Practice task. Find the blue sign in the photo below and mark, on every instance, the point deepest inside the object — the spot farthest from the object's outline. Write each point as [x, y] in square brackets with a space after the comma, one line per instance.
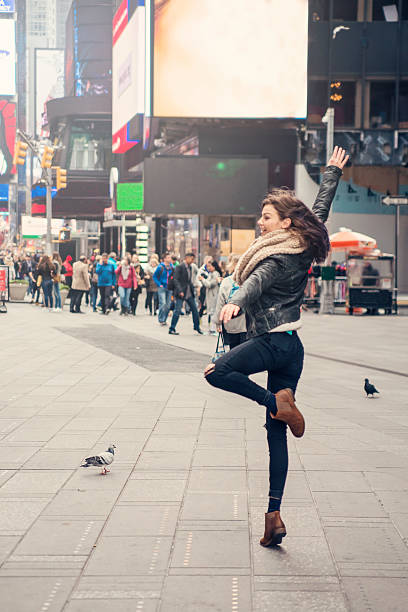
[7, 6]
[4, 192]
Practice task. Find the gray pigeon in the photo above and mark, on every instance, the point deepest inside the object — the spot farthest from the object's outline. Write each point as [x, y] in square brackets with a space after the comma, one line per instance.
[102, 460]
[369, 388]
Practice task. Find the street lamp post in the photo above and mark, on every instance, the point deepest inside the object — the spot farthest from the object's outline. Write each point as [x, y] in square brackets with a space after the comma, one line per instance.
[48, 210]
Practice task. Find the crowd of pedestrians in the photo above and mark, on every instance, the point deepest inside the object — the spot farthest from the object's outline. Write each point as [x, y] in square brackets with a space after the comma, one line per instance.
[106, 283]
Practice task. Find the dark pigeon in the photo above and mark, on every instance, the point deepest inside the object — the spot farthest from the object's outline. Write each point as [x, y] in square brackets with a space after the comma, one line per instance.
[369, 388]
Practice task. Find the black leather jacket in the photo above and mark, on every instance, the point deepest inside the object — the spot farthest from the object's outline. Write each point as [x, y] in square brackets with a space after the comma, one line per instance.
[273, 293]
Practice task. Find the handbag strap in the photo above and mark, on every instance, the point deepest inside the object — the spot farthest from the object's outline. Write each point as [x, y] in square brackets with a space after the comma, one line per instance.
[220, 335]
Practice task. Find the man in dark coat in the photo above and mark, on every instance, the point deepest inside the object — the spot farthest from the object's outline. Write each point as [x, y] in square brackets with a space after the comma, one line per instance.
[184, 292]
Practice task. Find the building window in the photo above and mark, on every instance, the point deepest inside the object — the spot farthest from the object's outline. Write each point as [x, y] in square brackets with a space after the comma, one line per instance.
[318, 10]
[403, 105]
[345, 10]
[316, 101]
[343, 100]
[382, 104]
[91, 147]
[386, 10]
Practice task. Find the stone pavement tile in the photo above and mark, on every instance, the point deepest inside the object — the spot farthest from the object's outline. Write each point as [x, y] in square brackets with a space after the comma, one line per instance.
[215, 507]
[147, 520]
[27, 482]
[12, 457]
[170, 444]
[58, 408]
[139, 421]
[53, 536]
[341, 442]
[211, 549]
[112, 605]
[222, 439]
[221, 424]
[23, 410]
[8, 425]
[56, 459]
[142, 592]
[338, 481]
[7, 543]
[186, 427]
[6, 475]
[16, 515]
[401, 523]
[164, 461]
[129, 556]
[296, 487]
[125, 435]
[81, 503]
[153, 490]
[231, 457]
[309, 446]
[301, 601]
[28, 594]
[334, 462]
[89, 479]
[219, 481]
[367, 543]
[377, 594]
[378, 459]
[393, 501]
[186, 412]
[298, 556]
[72, 441]
[348, 504]
[299, 521]
[206, 593]
[88, 424]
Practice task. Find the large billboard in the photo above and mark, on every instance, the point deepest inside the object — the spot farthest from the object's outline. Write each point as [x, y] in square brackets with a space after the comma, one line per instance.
[7, 6]
[49, 84]
[7, 138]
[7, 57]
[204, 185]
[128, 74]
[230, 58]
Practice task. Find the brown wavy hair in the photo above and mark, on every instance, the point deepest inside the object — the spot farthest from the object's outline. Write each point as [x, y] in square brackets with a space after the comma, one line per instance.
[304, 223]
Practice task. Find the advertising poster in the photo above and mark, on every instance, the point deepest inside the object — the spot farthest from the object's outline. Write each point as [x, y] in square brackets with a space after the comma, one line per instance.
[7, 57]
[7, 138]
[128, 75]
[4, 284]
[7, 6]
[230, 59]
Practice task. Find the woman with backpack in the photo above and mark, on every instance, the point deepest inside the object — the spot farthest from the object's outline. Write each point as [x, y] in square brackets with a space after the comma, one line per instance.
[46, 273]
[127, 282]
[272, 275]
[57, 261]
[140, 283]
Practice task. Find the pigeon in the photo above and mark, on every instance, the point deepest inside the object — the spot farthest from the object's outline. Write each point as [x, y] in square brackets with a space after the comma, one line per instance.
[369, 388]
[339, 29]
[104, 459]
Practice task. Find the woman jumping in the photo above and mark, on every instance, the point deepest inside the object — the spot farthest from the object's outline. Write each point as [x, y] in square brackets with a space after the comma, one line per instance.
[272, 275]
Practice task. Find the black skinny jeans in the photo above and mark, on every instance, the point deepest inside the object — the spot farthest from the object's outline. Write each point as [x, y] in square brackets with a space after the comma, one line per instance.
[281, 355]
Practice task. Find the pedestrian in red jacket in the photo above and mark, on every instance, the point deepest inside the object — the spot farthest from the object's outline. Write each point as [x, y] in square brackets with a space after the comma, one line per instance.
[127, 281]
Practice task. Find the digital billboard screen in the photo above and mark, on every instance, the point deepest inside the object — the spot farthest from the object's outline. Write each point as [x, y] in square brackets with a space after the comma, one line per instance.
[7, 139]
[230, 59]
[7, 57]
[204, 185]
[49, 84]
[128, 74]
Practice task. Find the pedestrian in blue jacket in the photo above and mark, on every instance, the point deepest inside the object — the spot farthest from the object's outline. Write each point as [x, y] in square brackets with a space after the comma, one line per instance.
[161, 277]
[106, 282]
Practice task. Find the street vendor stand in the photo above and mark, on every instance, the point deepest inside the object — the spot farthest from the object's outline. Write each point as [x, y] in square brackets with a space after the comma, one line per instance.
[371, 283]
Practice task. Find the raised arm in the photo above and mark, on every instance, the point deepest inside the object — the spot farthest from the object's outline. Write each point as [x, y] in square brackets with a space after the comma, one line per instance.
[329, 183]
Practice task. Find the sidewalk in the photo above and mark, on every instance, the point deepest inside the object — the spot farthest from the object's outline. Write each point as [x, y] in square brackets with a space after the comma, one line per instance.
[176, 524]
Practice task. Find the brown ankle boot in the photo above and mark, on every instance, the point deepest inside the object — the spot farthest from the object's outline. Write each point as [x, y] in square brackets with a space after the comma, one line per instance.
[275, 529]
[289, 413]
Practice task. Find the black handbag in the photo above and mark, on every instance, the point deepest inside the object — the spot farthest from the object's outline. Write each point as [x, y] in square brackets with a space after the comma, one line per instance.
[220, 350]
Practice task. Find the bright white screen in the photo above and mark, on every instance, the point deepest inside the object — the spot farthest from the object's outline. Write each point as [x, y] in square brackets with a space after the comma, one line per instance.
[128, 72]
[7, 57]
[230, 58]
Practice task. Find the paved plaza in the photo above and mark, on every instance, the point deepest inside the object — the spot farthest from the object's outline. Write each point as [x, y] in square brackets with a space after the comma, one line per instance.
[175, 525]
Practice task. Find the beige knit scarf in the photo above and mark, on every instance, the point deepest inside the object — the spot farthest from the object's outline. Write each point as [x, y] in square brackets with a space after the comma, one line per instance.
[277, 242]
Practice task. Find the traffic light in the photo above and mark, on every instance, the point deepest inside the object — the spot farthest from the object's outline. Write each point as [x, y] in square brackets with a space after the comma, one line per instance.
[46, 160]
[64, 235]
[61, 178]
[20, 153]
